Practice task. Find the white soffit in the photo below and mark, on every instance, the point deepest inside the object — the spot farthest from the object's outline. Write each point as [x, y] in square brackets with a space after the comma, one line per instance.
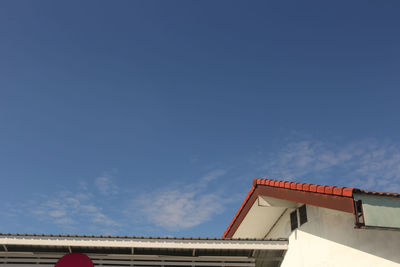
[262, 216]
[275, 202]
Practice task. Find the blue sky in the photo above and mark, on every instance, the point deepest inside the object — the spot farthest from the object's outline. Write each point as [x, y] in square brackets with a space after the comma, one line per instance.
[153, 117]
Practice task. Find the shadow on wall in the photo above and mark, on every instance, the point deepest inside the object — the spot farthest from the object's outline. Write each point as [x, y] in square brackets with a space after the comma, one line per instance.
[339, 227]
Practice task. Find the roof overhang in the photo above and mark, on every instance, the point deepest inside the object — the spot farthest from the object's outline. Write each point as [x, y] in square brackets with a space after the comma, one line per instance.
[45, 250]
[143, 242]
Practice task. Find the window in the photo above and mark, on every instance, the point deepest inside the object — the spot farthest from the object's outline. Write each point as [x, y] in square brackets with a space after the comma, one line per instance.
[303, 214]
[293, 220]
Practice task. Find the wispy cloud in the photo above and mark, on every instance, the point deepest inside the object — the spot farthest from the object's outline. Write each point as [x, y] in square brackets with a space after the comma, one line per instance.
[84, 207]
[184, 207]
[302, 158]
[68, 210]
[105, 184]
[213, 175]
[368, 164]
[177, 209]
[87, 207]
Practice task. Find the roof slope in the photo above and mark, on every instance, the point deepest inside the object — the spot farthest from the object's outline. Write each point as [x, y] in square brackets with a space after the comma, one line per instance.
[98, 237]
[318, 195]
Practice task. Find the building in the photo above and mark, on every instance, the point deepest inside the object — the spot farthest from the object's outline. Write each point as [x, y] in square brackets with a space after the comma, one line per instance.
[280, 223]
[325, 225]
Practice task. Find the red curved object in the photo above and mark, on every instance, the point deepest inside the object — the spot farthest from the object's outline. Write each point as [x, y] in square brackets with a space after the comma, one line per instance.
[74, 260]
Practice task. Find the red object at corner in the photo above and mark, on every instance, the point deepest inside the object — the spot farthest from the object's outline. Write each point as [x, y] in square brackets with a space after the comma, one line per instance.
[74, 260]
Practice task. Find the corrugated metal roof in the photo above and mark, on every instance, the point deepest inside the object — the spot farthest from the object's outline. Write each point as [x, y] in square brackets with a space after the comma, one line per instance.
[45, 250]
[137, 237]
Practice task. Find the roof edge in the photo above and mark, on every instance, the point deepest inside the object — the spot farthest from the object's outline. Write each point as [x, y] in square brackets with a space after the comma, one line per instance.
[66, 236]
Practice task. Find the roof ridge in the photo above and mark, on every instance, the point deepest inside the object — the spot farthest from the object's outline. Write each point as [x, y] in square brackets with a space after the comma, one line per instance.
[316, 188]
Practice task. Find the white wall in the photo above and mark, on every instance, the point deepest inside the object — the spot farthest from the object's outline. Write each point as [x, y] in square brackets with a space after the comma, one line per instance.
[329, 239]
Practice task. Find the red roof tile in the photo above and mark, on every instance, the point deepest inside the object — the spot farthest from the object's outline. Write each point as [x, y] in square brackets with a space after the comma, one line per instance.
[293, 186]
[323, 189]
[338, 191]
[306, 187]
[313, 188]
[329, 189]
[299, 186]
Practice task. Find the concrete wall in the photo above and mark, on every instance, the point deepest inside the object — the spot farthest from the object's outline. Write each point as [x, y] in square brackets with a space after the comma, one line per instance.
[330, 239]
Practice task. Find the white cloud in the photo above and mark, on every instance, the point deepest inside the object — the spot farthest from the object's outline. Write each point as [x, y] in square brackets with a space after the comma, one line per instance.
[185, 207]
[58, 213]
[69, 210]
[367, 164]
[87, 208]
[65, 221]
[304, 157]
[213, 175]
[175, 209]
[105, 185]
[97, 216]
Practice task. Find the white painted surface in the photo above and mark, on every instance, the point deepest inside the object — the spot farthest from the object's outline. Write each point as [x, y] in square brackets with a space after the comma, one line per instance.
[274, 202]
[282, 227]
[330, 239]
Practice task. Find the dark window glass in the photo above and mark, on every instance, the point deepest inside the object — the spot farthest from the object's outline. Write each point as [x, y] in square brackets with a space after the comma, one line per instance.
[293, 220]
[303, 214]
